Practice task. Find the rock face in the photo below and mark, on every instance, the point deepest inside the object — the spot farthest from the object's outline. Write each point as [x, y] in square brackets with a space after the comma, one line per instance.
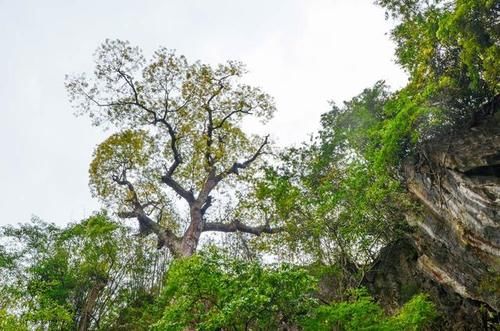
[396, 277]
[454, 249]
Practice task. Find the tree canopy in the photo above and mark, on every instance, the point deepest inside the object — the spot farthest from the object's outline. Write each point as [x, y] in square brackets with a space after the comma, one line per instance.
[180, 132]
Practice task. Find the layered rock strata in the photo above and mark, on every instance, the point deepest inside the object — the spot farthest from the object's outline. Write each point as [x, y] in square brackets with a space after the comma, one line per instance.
[453, 250]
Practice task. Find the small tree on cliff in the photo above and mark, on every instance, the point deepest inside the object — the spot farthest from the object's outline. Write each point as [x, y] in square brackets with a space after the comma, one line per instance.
[179, 133]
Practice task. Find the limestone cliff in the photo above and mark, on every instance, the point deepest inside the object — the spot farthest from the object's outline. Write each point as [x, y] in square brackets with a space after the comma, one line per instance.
[453, 251]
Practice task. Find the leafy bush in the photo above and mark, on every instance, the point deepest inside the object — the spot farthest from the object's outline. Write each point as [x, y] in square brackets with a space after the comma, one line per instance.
[211, 291]
[362, 313]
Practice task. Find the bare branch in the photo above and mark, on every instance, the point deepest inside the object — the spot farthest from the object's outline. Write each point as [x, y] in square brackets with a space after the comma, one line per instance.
[173, 137]
[174, 185]
[210, 126]
[242, 165]
[167, 178]
[146, 225]
[127, 214]
[213, 180]
[228, 116]
[165, 236]
[173, 146]
[208, 204]
[210, 129]
[130, 83]
[123, 181]
[236, 225]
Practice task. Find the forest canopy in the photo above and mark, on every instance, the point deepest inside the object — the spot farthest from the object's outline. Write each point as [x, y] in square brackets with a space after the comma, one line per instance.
[180, 164]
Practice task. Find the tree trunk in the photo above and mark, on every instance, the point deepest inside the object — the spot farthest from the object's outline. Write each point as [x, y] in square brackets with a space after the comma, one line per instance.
[192, 235]
[88, 307]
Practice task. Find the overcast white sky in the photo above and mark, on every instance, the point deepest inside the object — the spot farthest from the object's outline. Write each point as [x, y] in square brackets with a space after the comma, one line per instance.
[303, 52]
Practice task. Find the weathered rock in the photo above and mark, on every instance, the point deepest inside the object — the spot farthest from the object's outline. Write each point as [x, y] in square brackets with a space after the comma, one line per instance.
[458, 229]
[395, 277]
[455, 245]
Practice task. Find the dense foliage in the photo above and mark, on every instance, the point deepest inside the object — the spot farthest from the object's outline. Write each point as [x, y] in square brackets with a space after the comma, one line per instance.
[340, 207]
[212, 291]
[343, 190]
[86, 275]
[328, 206]
[209, 291]
[450, 49]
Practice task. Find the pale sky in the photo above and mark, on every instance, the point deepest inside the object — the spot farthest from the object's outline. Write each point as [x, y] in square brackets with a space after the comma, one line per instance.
[302, 52]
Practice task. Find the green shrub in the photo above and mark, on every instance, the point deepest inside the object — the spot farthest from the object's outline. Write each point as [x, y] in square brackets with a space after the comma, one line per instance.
[211, 291]
[362, 313]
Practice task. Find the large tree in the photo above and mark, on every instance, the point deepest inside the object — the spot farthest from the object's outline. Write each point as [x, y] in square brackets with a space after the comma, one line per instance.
[179, 135]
